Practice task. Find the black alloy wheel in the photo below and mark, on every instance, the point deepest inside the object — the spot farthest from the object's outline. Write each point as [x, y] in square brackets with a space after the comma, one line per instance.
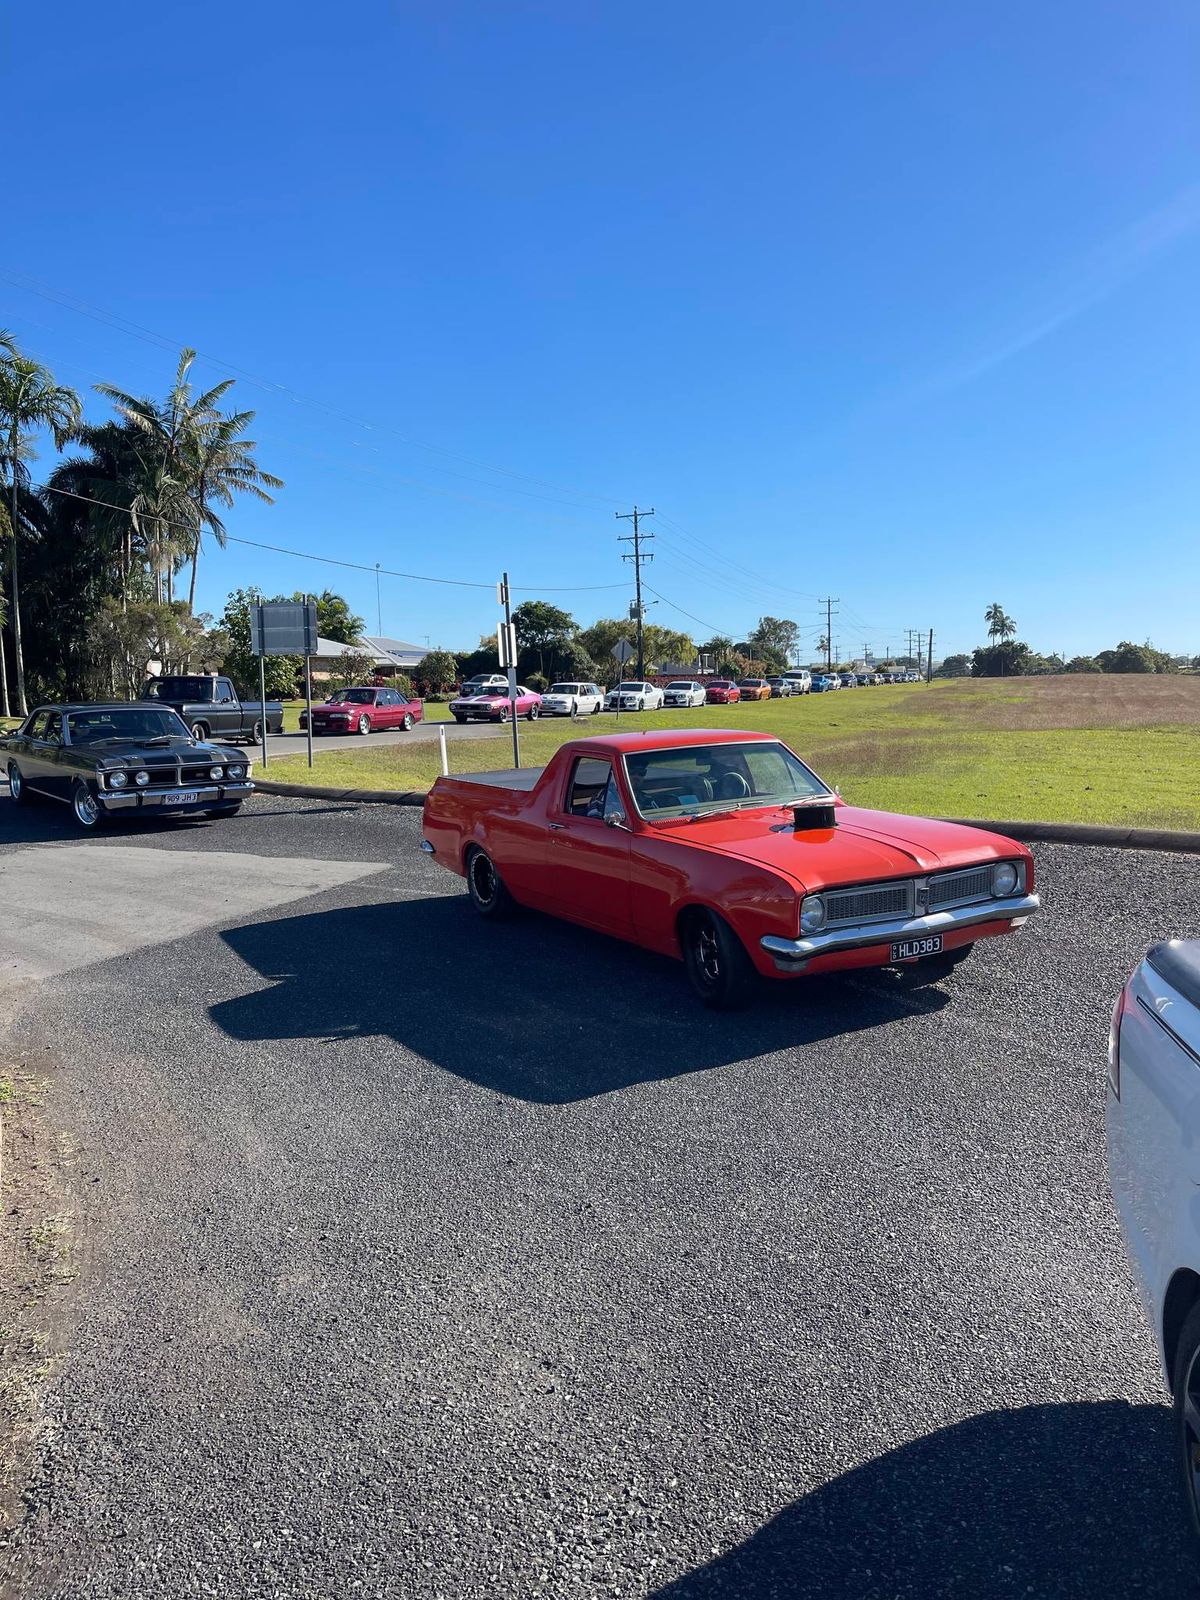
[16, 785]
[485, 885]
[256, 733]
[718, 967]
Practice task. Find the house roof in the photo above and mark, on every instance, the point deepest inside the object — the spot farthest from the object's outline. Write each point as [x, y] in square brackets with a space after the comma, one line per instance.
[384, 652]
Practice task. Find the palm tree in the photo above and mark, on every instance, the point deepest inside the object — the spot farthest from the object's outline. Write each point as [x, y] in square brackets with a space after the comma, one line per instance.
[994, 617]
[225, 466]
[29, 399]
[1007, 627]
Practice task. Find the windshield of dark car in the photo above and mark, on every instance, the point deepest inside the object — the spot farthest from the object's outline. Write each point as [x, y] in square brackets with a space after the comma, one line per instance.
[356, 697]
[700, 778]
[124, 722]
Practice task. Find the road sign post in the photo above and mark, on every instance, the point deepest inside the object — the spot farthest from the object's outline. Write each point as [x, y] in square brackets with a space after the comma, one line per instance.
[622, 651]
[506, 640]
[284, 628]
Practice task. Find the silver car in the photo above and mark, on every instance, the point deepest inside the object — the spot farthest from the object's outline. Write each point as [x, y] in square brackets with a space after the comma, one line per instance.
[684, 692]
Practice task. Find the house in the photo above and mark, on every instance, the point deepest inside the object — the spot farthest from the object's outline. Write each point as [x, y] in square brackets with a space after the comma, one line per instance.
[389, 656]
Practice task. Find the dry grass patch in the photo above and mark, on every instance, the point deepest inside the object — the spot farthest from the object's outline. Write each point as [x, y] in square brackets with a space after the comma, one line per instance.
[1075, 700]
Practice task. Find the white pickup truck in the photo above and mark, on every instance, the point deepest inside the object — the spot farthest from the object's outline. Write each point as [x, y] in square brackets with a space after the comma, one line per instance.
[1153, 1121]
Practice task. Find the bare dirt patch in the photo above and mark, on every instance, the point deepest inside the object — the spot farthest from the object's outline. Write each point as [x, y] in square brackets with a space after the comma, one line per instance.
[1073, 700]
[38, 1266]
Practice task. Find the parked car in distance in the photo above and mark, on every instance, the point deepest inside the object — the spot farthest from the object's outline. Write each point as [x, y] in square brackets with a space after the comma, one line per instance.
[480, 682]
[210, 705]
[801, 679]
[572, 700]
[754, 688]
[823, 682]
[122, 760]
[782, 688]
[491, 704]
[722, 692]
[634, 695]
[1153, 1129]
[684, 692]
[867, 679]
[724, 849]
[848, 680]
[364, 710]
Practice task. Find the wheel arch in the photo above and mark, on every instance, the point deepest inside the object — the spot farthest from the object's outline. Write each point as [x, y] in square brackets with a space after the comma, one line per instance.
[1182, 1294]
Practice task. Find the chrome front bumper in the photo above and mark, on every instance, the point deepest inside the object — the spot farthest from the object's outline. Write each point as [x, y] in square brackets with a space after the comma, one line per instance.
[144, 799]
[793, 955]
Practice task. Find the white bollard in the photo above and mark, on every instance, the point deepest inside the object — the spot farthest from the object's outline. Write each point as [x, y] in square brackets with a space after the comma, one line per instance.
[442, 745]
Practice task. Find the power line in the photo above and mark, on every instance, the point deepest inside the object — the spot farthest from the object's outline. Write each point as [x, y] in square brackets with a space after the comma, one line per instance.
[329, 561]
[727, 633]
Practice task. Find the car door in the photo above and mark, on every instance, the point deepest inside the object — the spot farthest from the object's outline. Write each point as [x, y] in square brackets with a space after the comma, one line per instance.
[55, 774]
[226, 709]
[589, 860]
[29, 751]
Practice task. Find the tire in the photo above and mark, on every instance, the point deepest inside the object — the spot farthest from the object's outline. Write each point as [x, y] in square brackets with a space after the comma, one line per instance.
[1185, 1387]
[502, 716]
[16, 786]
[533, 713]
[597, 709]
[85, 808]
[718, 968]
[256, 733]
[199, 730]
[407, 723]
[460, 720]
[485, 885]
[230, 810]
[642, 703]
[364, 724]
[933, 969]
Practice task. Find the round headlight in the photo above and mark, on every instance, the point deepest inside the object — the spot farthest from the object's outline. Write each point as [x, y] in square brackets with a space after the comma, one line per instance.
[215, 772]
[236, 772]
[812, 914]
[117, 780]
[1004, 879]
[141, 779]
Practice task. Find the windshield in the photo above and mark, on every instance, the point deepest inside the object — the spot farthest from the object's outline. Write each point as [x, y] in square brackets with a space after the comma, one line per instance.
[720, 683]
[124, 722]
[355, 697]
[565, 688]
[631, 688]
[680, 685]
[720, 777]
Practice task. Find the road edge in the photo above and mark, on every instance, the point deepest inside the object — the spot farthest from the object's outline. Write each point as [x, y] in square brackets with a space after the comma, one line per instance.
[1031, 832]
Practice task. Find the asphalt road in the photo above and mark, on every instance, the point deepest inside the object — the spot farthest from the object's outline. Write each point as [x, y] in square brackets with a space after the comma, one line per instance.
[425, 1257]
[292, 744]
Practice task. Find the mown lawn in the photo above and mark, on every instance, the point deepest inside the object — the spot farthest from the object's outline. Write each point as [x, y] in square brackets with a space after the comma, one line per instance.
[1089, 749]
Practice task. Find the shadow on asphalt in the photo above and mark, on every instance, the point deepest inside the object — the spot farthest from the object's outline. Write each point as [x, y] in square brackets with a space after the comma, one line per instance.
[533, 1007]
[46, 822]
[1046, 1501]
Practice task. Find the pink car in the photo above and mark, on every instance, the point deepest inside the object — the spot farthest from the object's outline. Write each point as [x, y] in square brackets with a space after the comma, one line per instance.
[493, 705]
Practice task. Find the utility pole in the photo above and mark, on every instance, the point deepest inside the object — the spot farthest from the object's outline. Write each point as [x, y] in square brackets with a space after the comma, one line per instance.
[635, 539]
[830, 602]
[929, 660]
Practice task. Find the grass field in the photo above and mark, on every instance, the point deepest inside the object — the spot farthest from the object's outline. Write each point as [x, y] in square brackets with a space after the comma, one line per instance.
[1122, 750]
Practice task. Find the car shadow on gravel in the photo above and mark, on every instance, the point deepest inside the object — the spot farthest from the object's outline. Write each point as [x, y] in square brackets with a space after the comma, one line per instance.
[533, 1008]
[1052, 1501]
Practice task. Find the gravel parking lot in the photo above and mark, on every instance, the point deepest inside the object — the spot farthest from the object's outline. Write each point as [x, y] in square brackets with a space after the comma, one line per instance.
[425, 1257]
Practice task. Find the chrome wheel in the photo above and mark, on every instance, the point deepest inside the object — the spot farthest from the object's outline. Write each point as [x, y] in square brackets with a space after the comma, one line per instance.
[85, 806]
[364, 724]
[16, 783]
[408, 722]
[504, 714]
[533, 712]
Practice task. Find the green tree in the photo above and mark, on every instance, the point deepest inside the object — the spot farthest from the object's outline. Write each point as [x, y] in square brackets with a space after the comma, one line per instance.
[30, 400]
[775, 641]
[954, 667]
[660, 644]
[1083, 664]
[335, 620]
[541, 627]
[1007, 660]
[1129, 657]
[438, 672]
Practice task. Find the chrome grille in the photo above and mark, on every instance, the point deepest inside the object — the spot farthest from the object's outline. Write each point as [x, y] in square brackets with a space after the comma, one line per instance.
[870, 903]
[959, 888]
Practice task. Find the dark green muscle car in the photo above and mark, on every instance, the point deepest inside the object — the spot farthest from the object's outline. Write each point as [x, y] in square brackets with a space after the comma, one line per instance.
[121, 760]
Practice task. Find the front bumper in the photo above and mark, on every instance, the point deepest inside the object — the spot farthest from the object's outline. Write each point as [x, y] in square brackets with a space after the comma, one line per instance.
[793, 955]
[215, 794]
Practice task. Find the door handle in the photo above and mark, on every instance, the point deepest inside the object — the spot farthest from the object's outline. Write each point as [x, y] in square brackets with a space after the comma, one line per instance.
[557, 827]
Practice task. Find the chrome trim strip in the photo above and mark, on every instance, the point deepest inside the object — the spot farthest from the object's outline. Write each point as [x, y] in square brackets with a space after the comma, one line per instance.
[793, 955]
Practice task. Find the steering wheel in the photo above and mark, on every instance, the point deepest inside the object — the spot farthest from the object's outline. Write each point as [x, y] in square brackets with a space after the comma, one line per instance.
[731, 786]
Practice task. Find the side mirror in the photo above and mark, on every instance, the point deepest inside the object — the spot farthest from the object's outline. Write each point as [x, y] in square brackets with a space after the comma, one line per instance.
[615, 819]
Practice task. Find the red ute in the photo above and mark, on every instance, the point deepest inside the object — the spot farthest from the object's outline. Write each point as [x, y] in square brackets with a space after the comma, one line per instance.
[363, 710]
[723, 848]
[721, 692]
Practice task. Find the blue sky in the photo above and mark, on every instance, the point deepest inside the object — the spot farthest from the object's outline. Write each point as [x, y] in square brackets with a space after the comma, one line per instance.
[890, 301]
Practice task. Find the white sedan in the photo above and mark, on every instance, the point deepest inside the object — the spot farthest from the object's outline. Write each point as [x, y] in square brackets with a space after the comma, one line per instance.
[634, 696]
[572, 700]
[1153, 1123]
[684, 692]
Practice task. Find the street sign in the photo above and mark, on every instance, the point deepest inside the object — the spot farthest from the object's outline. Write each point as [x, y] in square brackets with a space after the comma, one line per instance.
[284, 628]
[622, 651]
[506, 644]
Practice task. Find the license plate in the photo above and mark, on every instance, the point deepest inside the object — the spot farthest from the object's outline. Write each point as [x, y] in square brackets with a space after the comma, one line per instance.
[906, 949]
[187, 798]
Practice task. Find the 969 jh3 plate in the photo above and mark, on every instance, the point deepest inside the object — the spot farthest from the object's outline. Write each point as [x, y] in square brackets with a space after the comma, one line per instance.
[906, 949]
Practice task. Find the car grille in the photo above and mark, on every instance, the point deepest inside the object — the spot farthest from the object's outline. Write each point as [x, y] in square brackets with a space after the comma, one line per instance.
[959, 888]
[871, 903]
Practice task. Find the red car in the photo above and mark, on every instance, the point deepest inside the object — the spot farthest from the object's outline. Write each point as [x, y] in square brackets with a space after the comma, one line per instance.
[493, 705]
[364, 710]
[723, 692]
[724, 849]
